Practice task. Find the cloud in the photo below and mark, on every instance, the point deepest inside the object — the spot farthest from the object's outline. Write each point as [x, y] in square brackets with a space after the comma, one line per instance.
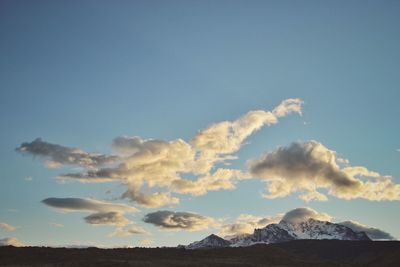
[152, 200]
[58, 155]
[246, 223]
[178, 220]
[7, 227]
[112, 217]
[103, 213]
[303, 214]
[153, 163]
[128, 231]
[220, 179]
[54, 224]
[228, 136]
[85, 204]
[10, 241]
[28, 179]
[146, 242]
[373, 233]
[309, 166]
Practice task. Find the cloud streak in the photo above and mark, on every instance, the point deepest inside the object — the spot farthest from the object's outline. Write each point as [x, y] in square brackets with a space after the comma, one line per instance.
[7, 227]
[373, 233]
[171, 220]
[86, 204]
[102, 213]
[57, 155]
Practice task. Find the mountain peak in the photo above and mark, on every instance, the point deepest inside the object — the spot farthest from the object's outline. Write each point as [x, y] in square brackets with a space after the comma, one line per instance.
[282, 232]
[211, 241]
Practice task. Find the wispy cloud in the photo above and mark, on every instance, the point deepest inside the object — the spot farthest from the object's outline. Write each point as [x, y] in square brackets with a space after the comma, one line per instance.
[54, 224]
[56, 155]
[373, 233]
[7, 227]
[171, 220]
[103, 213]
[86, 204]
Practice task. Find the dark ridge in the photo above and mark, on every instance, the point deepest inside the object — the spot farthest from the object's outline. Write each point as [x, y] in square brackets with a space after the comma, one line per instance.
[294, 253]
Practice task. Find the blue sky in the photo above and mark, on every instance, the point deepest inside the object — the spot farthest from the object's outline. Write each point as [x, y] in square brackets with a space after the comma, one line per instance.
[80, 74]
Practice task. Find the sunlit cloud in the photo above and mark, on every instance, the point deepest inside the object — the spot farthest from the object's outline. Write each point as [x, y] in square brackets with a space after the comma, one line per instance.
[246, 223]
[310, 166]
[129, 231]
[102, 213]
[153, 169]
[10, 241]
[7, 227]
[303, 214]
[170, 220]
[146, 242]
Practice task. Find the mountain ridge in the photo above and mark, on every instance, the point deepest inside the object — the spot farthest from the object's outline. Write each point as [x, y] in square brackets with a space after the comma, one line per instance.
[284, 231]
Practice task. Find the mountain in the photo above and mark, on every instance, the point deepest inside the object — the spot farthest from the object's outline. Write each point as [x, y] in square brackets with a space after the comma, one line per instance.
[282, 232]
[211, 241]
[315, 229]
[272, 233]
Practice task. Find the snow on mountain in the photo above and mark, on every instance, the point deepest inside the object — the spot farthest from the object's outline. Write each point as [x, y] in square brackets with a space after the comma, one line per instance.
[211, 241]
[272, 233]
[282, 232]
[315, 229]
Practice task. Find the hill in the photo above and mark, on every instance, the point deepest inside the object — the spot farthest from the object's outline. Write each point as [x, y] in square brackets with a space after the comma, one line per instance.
[293, 253]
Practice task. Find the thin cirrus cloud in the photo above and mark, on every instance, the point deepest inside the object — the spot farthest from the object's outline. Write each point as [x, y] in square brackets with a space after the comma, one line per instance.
[7, 227]
[170, 220]
[150, 163]
[309, 166]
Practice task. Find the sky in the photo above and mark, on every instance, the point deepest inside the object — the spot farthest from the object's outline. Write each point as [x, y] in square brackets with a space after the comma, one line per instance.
[156, 123]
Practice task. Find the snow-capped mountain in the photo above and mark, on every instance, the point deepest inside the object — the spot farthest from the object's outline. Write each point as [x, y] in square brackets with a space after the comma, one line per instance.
[282, 232]
[211, 241]
[315, 229]
[272, 233]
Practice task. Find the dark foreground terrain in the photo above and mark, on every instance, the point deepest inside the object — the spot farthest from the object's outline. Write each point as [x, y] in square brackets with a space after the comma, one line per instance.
[294, 253]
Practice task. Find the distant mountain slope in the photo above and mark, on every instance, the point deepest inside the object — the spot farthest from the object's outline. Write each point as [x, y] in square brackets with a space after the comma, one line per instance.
[211, 241]
[285, 231]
